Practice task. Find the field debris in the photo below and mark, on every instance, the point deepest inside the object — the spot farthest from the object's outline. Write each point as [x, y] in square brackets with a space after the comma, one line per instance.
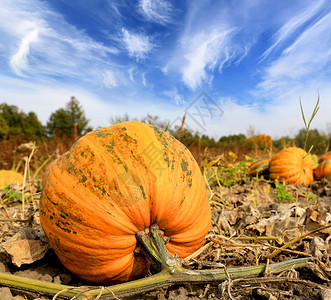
[253, 219]
[25, 247]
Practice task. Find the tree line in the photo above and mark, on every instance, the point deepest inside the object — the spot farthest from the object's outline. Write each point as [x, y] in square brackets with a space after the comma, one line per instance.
[71, 121]
[65, 121]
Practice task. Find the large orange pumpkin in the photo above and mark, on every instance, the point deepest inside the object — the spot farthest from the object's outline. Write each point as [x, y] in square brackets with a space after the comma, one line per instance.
[324, 167]
[292, 165]
[8, 177]
[115, 182]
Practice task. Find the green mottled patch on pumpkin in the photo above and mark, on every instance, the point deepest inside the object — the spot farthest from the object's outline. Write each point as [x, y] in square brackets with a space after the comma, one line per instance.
[167, 152]
[101, 133]
[167, 161]
[184, 165]
[70, 169]
[83, 179]
[110, 147]
[129, 139]
[102, 189]
[190, 182]
[62, 225]
[62, 216]
[157, 130]
[143, 192]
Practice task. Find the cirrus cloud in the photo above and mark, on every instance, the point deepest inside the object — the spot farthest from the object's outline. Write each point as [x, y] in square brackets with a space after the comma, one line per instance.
[138, 45]
[18, 61]
[158, 11]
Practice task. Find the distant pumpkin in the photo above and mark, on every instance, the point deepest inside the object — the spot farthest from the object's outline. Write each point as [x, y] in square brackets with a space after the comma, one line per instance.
[324, 168]
[117, 181]
[260, 167]
[9, 177]
[292, 165]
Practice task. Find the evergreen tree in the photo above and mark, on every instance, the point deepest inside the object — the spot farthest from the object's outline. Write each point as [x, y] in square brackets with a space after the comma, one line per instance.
[77, 115]
[33, 127]
[62, 121]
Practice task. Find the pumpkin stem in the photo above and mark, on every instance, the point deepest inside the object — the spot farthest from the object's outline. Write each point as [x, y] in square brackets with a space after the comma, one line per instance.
[154, 245]
[162, 279]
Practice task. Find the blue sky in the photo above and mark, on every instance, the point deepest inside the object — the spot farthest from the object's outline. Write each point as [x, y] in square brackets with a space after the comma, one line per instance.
[253, 60]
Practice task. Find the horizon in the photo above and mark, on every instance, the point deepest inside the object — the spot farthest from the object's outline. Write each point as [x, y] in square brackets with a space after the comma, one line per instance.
[157, 121]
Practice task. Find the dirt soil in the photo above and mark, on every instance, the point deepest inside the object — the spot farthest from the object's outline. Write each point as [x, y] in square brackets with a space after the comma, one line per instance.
[242, 214]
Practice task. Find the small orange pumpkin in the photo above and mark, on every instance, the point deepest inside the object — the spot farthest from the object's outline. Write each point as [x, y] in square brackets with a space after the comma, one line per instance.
[9, 177]
[324, 167]
[117, 181]
[260, 167]
[293, 165]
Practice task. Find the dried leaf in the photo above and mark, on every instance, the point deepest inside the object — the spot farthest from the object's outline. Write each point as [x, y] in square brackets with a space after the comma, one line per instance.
[25, 247]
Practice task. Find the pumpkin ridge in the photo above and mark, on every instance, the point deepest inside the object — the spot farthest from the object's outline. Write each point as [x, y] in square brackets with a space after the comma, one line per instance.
[109, 166]
[95, 198]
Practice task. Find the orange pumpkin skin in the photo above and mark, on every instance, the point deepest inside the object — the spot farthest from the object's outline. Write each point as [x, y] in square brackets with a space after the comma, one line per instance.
[292, 165]
[117, 181]
[324, 168]
[9, 177]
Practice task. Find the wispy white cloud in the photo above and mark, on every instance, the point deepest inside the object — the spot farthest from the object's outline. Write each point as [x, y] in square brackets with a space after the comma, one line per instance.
[175, 96]
[138, 45]
[131, 72]
[19, 60]
[292, 25]
[302, 61]
[158, 11]
[203, 51]
[38, 42]
[109, 80]
[210, 41]
[143, 76]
